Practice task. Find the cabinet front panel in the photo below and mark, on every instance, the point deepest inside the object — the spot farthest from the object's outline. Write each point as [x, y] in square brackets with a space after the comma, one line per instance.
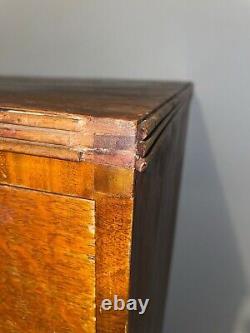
[47, 263]
[47, 174]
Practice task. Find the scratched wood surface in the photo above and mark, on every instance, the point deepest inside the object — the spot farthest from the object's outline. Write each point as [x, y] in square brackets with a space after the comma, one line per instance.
[120, 99]
[47, 263]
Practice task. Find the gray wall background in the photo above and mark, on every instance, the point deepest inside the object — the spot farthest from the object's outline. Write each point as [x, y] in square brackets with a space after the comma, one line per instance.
[207, 42]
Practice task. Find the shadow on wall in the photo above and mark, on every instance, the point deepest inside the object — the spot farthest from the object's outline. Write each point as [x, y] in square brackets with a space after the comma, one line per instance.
[207, 285]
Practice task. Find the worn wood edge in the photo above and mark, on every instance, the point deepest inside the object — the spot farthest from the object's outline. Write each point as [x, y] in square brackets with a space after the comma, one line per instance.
[65, 121]
[109, 157]
[148, 124]
[41, 135]
[30, 148]
[151, 147]
[85, 138]
[34, 118]
[144, 146]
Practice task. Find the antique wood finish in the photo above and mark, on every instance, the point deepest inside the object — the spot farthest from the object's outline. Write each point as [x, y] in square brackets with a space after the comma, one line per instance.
[156, 193]
[64, 177]
[111, 189]
[113, 99]
[89, 177]
[47, 262]
[113, 247]
[47, 174]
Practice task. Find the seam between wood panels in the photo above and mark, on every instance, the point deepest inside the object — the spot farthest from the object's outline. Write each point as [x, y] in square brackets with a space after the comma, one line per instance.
[45, 192]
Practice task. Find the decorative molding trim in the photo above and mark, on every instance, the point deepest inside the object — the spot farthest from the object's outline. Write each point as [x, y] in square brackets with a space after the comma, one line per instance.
[153, 130]
[69, 137]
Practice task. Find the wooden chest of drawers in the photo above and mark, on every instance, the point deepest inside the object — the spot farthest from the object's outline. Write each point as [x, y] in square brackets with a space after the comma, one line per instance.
[89, 178]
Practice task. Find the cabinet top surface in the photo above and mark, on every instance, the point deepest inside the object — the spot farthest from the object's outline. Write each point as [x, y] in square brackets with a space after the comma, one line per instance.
[118, 99]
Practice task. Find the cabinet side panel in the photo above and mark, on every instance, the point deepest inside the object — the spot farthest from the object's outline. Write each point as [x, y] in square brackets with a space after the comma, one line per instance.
[47, 263]
[156, 199]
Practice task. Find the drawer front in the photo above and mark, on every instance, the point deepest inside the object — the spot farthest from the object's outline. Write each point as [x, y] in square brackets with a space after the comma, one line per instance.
[47, 262]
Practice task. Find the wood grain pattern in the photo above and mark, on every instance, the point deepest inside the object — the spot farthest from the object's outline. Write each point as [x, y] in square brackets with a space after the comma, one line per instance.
[41, 120]
[118, 182]
[112, 190]
[47, 263]
[113, 248]
[115, 99]
[64, 177]
[47, 174]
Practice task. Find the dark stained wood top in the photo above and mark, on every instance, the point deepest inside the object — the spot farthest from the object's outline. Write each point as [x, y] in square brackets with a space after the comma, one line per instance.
[118, 99]
[113, 122]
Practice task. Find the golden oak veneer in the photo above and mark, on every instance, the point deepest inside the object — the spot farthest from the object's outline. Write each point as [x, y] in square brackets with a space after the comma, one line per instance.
[89, 179]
